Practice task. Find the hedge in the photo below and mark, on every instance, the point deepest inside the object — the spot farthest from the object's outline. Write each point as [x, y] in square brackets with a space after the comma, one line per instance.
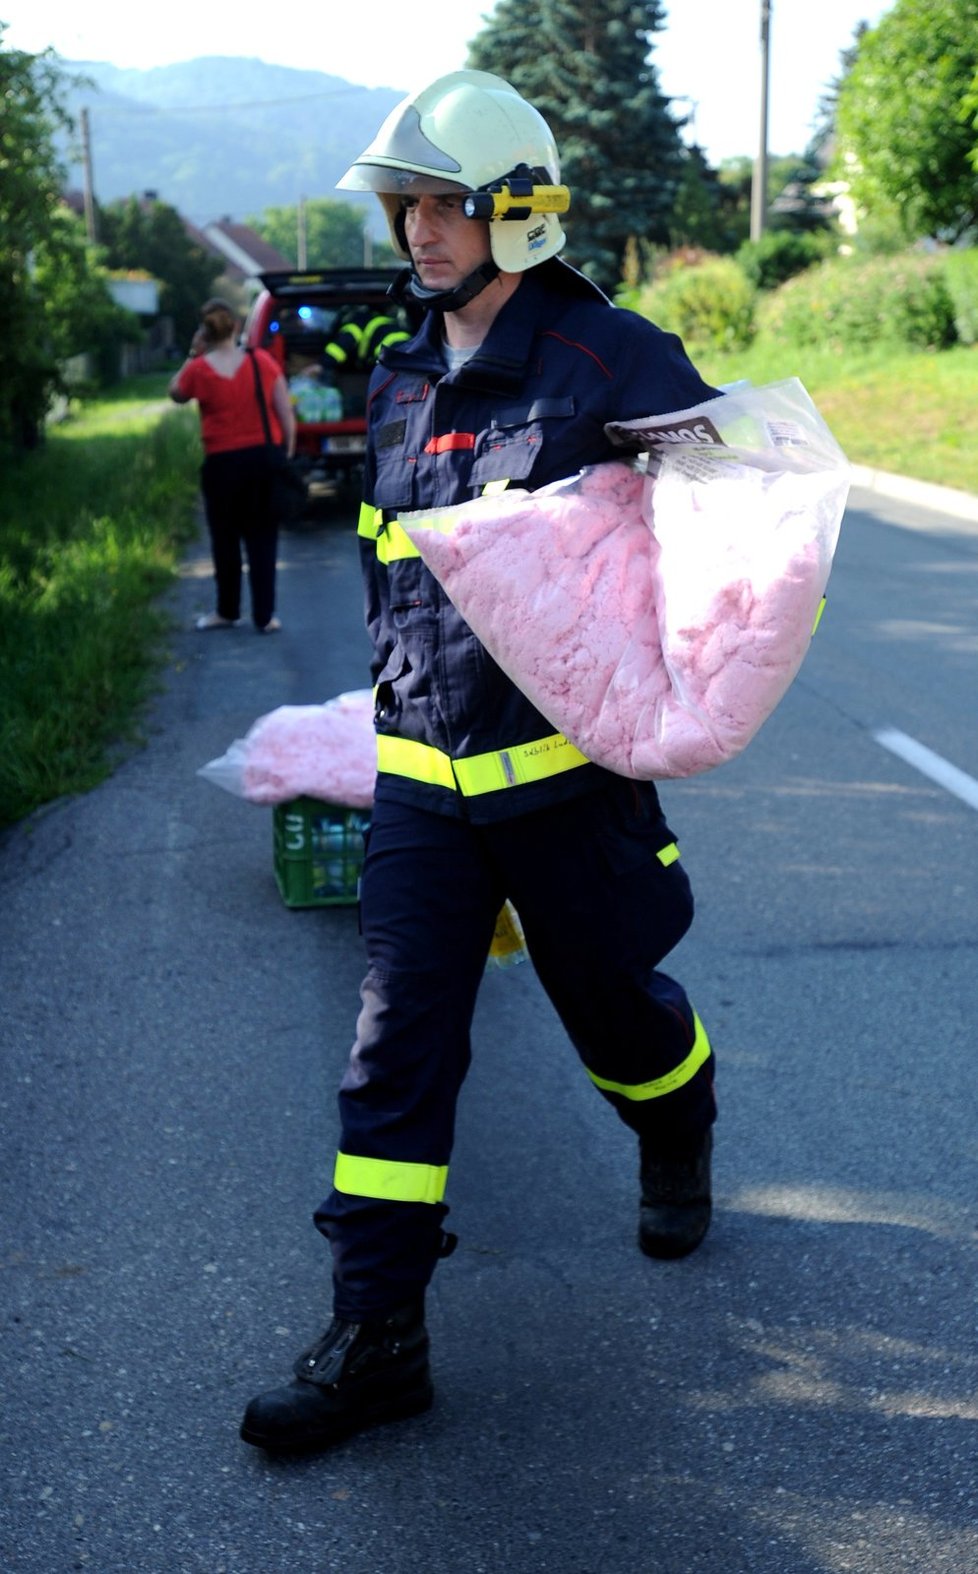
[854, 304]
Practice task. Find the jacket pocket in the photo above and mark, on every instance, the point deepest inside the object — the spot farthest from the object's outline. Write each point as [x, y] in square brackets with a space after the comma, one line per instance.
[393, 482]
[413, 597]
[386, 705]
[508, 449]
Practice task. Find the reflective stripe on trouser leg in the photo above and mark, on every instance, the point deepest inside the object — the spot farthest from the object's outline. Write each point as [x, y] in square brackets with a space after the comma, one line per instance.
[428, 911]
[384, 1215]
[603, 898]
[389, 1181]
[673, 1104]
[658, 1087]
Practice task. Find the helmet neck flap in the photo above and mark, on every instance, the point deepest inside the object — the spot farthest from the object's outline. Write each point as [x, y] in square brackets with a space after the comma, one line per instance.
[408, 289]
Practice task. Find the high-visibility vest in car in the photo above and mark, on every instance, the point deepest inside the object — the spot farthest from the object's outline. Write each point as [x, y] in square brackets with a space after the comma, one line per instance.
[360, 343]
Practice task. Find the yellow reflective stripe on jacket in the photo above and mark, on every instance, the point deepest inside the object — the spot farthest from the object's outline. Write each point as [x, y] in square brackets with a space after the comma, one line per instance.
[672, 1080]
[419, 761]
[389, 1180]
[478, 773]
[391, 539]
[512, 767]
[393, 543]
[818, 616]
[668, 855]
[369, 521]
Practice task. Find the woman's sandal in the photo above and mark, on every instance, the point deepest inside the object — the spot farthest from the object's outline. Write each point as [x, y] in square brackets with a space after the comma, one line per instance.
[213, 620]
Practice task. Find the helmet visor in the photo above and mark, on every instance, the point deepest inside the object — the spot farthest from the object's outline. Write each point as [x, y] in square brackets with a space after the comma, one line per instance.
[402, 159]
[393, 179]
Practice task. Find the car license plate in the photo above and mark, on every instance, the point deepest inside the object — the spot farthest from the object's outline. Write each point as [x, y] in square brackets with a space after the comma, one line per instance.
[344, 445]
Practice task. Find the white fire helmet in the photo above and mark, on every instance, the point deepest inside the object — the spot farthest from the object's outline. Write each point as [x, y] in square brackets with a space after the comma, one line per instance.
[465, 132]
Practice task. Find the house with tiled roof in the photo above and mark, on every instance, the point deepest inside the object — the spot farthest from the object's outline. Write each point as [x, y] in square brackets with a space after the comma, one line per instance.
[244, 253]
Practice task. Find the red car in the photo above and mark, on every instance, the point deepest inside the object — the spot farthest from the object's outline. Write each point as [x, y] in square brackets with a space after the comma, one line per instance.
[325, 328]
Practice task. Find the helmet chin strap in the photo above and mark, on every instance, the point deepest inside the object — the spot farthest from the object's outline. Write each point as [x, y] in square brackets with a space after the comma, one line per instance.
[408, 289]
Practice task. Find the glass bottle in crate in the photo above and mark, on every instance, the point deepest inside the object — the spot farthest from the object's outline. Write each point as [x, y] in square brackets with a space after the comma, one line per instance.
[327, 856]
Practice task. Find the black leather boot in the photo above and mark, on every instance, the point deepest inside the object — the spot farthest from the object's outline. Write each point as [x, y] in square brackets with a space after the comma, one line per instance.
[676, 1203]
[357, 1375]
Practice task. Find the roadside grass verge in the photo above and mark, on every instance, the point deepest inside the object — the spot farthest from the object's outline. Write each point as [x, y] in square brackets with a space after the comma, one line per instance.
[92, 527]
[913, 413]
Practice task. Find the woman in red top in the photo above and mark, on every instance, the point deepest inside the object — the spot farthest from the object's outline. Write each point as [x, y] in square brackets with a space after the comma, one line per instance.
[235, 477]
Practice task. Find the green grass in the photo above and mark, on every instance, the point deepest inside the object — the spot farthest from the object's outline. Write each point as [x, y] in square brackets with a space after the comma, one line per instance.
[91, 530]
[913, 413]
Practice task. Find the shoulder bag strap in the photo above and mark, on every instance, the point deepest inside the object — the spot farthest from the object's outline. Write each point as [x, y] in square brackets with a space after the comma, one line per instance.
[260, 395]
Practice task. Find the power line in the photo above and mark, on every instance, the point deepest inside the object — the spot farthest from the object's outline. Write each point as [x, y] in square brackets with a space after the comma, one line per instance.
[136, 107]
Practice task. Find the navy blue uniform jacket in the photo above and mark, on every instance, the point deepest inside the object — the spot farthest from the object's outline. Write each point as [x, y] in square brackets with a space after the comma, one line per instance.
[530, 407]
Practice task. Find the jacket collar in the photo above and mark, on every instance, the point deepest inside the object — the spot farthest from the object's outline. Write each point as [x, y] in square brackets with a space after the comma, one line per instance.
[501, 361]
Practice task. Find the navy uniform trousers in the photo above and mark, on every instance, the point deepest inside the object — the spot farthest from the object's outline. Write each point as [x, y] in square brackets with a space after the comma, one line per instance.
[599, 908]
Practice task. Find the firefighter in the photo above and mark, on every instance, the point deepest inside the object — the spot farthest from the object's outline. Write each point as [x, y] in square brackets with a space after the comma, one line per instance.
[517, 366]
[361, 336]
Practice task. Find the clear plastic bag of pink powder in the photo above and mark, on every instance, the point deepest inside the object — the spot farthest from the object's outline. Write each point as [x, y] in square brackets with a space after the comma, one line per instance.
[655, 610]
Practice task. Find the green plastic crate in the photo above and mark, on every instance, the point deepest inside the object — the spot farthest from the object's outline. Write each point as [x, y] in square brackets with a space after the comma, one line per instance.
[318, 852]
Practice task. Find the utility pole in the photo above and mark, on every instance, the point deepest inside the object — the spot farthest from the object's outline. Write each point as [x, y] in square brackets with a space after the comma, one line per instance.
[88, 185]
[758, 193]
[301, 235]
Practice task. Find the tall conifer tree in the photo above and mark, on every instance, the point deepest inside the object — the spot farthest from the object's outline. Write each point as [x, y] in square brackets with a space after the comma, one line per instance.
[586, 66]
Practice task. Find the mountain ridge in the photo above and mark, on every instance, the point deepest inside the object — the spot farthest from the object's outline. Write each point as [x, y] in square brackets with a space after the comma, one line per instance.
[220, 137]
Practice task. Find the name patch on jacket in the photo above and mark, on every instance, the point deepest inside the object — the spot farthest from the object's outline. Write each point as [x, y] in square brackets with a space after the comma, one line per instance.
[391, 435]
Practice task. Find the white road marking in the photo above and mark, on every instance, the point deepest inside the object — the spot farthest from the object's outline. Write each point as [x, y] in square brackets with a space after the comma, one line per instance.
[930, 764]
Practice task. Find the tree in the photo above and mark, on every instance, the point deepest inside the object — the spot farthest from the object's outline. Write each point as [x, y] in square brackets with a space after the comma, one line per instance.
[585, 64]
[335, 233]
[905, 118]
[702, 213]
[823, 139]
[792, 203]
[74, 304]
[53, 297]
[694, 219]
[30, 189]
[736, 178]
[150, 235]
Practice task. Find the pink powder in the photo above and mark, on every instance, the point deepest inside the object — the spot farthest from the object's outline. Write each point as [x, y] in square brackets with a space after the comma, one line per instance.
[326, 751]
[658, 651]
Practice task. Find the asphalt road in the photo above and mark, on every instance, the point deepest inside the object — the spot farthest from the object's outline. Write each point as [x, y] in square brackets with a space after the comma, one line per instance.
[797, 1398]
